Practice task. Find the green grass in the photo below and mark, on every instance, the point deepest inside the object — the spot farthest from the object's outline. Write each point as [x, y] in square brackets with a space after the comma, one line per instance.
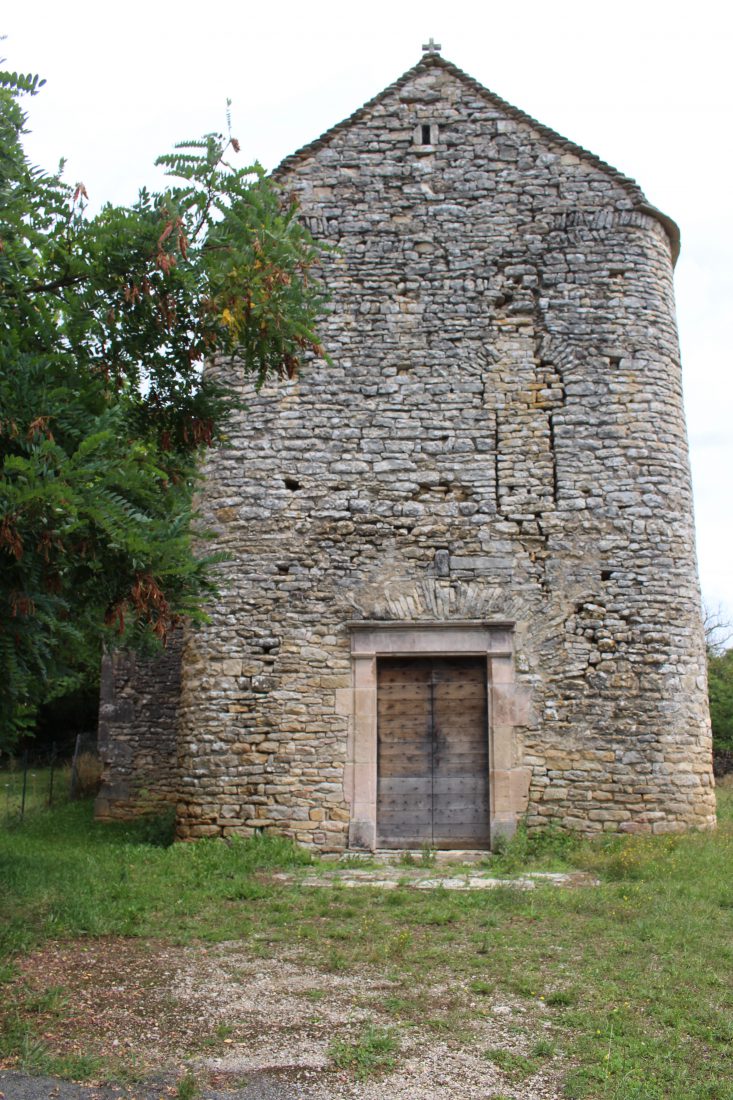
[187, 1087]
[630, 984]
[516, 1066]
[19, 1039]
[372, 1053]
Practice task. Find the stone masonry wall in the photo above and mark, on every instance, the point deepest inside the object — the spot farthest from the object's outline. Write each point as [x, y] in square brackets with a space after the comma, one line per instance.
[499, 437]
[138, 732]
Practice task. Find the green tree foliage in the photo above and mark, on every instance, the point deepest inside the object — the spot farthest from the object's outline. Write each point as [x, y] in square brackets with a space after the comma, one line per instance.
[718, 636]
[720, 682]
[105, 324]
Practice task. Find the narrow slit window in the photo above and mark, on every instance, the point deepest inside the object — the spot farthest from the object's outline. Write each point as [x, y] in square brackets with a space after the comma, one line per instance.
[426, 134]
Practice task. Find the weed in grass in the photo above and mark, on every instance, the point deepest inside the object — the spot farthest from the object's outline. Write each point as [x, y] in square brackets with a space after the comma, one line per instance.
[356, 863]
[576, 1020]
[484, 989]
[48, 1002]
[550, 849]
[439, 917]
[316, 994]
[524, 985]
[454, 1021]
[543, 1048]
[345, 912]
[382, 948]
[516, 1066]
[19, 1043]
[15, 1033]
[187, 1087]
[561, 998]
[439, 1024]
[372, 1053]
[505, 899]
[336, 961]
[398, 944]
[246, 891]
[340, 934]
[70, 1067]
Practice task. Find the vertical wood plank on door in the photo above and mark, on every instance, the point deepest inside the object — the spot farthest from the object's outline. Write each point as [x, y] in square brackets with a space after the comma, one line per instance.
[460, 753]
[432, 760]
[404, 753]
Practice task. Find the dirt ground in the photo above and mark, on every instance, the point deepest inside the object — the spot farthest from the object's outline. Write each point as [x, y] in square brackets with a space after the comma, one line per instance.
[249, 1028]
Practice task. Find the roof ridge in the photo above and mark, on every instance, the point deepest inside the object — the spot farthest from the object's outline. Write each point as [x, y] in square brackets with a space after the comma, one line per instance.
[436, 60]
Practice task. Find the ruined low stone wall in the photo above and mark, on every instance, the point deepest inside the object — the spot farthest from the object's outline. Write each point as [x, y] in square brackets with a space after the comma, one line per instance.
[138, 732]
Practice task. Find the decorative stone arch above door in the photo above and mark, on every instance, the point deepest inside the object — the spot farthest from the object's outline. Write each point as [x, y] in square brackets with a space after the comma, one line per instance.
[508, 780]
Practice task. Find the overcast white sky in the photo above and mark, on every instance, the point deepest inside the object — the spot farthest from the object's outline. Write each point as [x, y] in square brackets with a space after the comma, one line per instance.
[647, 86]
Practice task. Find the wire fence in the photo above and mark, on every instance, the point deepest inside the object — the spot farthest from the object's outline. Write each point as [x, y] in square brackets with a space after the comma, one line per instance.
[28, 784]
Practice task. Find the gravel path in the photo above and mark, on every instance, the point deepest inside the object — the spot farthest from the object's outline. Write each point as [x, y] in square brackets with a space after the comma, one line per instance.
[250, 1028]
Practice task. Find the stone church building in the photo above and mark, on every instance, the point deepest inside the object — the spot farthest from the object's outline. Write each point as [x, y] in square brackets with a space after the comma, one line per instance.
[462, 587]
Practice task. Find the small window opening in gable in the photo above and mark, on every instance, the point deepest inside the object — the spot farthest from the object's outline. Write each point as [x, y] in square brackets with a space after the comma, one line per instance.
[606, 574]
[425, 134]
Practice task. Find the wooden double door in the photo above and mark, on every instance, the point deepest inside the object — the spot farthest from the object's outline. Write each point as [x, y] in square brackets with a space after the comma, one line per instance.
[432, 757]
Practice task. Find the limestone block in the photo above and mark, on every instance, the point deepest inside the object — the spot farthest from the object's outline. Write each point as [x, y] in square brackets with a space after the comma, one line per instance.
[555, 793]
[520, 779]
[503, 747]
[230, 667]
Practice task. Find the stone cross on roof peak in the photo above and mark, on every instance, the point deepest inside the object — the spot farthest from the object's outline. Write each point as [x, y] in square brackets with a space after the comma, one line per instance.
[432, 47]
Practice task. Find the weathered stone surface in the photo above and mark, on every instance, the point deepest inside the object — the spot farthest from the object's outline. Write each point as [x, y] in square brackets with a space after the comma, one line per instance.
[138, 733]
[499, 439]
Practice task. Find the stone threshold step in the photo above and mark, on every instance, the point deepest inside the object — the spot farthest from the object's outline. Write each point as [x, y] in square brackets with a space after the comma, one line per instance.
[417, 856]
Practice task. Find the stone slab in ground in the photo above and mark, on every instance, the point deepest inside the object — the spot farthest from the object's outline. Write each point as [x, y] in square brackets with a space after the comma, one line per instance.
[389, 878]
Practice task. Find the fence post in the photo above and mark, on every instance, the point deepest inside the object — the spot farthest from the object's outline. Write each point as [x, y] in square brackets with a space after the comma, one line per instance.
[25, 784]
[50, 778]
[73, 792]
